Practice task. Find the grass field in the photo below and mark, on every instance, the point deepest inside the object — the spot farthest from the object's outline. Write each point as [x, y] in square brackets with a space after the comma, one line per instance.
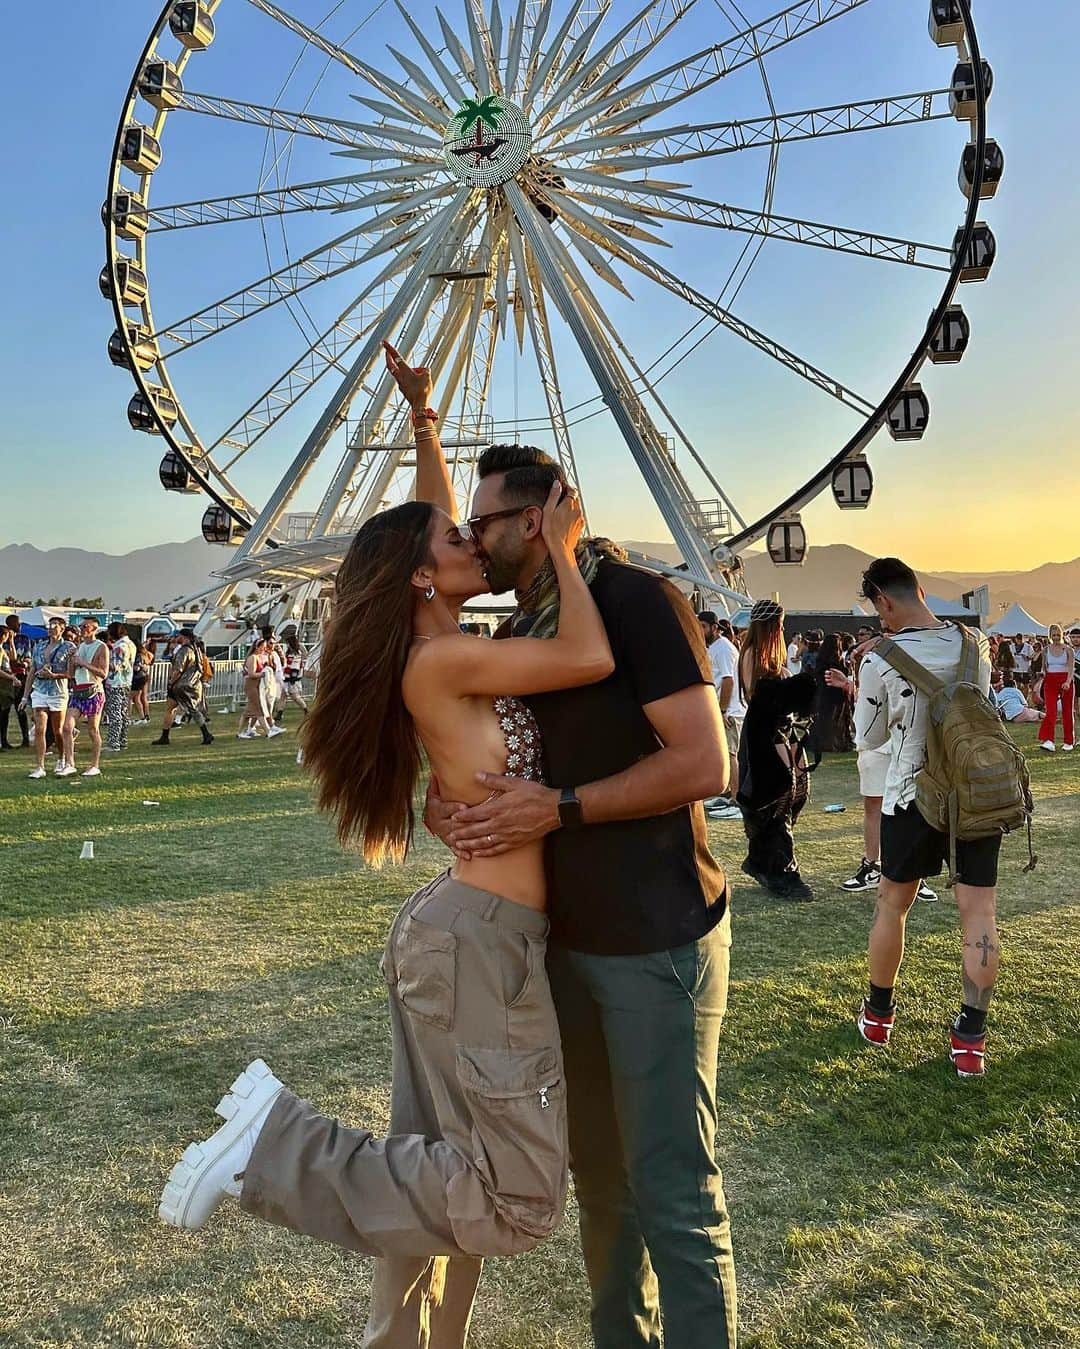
[875, 1200]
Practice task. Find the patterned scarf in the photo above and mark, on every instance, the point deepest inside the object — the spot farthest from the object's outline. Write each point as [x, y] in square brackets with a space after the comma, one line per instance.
[537, 614]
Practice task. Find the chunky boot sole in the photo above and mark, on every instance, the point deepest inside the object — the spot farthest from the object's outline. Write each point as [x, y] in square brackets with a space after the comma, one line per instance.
[196, 1184]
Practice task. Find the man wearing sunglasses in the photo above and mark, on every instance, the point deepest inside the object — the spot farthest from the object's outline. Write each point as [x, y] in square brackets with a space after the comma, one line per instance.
[640, 927]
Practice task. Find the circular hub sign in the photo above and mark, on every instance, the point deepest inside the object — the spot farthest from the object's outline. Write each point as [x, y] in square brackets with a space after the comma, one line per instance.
[487, 142]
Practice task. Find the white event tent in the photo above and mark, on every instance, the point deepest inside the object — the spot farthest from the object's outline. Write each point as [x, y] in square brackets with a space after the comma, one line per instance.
[1017, 619]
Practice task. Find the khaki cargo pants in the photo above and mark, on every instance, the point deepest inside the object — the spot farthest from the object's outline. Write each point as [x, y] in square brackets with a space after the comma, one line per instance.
[476, 1161]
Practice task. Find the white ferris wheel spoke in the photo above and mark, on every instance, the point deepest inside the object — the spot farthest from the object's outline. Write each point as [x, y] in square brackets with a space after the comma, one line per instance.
[665, 204]
[495, 33]
[646, 443]
[285, 282]
[546, 63]
[530, 289]
[451, 221]
[456, 50]
[677, 145]
[515, 47]
[583, 223]
[324, 195]
[421, 108]
[408, 203]
[481, 63]
[698, 71]
[572, 63]
[452, 85]
[541, 20]
[436, 345]
[643, 382]
[419, 77]
[598, 68]
[333, 129]
[356, 322]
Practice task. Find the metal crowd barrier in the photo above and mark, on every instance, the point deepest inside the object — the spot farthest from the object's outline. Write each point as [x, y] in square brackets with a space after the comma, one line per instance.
[226, 689]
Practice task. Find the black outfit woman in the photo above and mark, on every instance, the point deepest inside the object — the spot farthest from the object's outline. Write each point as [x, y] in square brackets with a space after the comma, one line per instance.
[774, 784]
[834, 727]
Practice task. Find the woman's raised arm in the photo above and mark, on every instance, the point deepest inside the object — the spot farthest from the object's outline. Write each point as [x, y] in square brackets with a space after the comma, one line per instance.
[433, 481]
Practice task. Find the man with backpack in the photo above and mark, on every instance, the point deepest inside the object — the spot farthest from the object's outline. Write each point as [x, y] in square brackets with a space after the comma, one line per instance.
[955, 784]
[185, 690]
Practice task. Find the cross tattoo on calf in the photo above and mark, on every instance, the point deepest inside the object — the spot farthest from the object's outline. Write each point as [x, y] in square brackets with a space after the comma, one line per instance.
[985, 946]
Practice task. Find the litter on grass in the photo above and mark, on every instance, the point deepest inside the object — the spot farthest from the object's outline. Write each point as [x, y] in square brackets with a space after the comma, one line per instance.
[87, 854]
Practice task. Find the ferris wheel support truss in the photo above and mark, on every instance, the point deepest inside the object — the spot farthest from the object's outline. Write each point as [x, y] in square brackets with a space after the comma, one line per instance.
[647, 446]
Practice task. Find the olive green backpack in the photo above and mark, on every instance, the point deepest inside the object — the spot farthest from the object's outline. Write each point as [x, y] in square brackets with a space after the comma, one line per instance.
[975, 782]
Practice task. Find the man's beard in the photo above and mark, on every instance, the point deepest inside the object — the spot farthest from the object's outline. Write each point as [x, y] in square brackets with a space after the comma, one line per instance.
[502, 571]
[501, 575]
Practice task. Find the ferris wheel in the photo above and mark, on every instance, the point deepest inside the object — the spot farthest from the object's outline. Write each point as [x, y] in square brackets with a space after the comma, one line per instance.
[539, 186]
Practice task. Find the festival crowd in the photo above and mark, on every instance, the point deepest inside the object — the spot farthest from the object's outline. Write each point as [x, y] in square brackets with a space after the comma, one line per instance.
[82, 677]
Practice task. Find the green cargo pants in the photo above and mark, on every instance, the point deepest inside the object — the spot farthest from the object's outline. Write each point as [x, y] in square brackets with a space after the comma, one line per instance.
[640, 1037]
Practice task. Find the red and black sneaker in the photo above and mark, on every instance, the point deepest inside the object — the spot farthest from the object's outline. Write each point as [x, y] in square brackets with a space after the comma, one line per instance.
[967, 1054]
[875, 1027]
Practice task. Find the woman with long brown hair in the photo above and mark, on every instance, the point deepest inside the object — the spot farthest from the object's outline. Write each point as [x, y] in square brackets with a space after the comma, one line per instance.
[476, 1162]
[774, 785]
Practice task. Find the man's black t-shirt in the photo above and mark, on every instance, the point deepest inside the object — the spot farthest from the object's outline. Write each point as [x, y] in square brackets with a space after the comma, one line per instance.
[629, 886]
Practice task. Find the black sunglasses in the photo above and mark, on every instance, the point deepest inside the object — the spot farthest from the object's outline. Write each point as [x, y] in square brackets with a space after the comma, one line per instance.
[478, 522]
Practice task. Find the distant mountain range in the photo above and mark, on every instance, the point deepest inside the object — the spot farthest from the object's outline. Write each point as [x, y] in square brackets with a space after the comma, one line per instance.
[145, 578]
[830, 578]
[150, 577]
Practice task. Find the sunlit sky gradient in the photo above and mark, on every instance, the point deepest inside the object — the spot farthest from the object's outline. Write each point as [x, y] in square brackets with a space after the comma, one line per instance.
[993, 486]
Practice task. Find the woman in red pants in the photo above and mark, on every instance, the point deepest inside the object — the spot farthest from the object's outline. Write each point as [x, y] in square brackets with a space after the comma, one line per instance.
[1058, 662]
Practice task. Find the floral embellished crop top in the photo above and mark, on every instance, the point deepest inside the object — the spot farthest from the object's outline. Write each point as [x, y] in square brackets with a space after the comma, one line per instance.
[524, 750]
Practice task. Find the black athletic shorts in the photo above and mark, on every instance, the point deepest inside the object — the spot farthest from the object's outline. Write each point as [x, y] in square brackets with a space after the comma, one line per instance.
[912, 850]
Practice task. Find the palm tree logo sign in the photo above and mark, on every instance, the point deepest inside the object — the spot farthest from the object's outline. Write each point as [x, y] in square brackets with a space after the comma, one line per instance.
[487, 141]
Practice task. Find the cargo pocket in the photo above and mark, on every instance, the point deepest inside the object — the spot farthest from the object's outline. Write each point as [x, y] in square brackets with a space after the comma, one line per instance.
[425, 960]
[518, 1105]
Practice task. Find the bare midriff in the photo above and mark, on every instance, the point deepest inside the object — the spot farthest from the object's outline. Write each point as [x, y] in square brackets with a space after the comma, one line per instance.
[458, 747]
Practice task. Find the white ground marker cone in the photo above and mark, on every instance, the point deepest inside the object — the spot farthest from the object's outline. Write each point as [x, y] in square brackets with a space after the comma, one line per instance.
[87, 854]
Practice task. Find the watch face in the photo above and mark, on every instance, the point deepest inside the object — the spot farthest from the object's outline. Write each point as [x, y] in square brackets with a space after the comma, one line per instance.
[487, 141]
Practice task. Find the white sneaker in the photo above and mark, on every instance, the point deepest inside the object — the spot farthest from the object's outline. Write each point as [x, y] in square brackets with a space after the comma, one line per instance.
[65, 770]
[245, 735]
[1049, 746]
[1066, 749]
[92, 772]
[275, 730]
[724, 813]
[924, 893]
[38, 773]
[210, 1170]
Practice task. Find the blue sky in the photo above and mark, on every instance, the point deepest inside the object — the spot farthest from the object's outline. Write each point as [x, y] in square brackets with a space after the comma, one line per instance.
[992, 486]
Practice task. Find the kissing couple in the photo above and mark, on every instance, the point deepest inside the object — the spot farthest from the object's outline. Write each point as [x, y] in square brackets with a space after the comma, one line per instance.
[556, 995]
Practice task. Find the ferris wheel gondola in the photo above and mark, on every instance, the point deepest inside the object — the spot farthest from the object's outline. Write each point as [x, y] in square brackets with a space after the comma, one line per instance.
[502, 170]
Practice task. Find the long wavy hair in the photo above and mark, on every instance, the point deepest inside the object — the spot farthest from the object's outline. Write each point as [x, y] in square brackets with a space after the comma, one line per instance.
[831, 656]
[359, 740]
[764, 641]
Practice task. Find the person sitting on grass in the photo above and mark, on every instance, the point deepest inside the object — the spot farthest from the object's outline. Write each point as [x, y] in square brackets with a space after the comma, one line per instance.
[1010, 700]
